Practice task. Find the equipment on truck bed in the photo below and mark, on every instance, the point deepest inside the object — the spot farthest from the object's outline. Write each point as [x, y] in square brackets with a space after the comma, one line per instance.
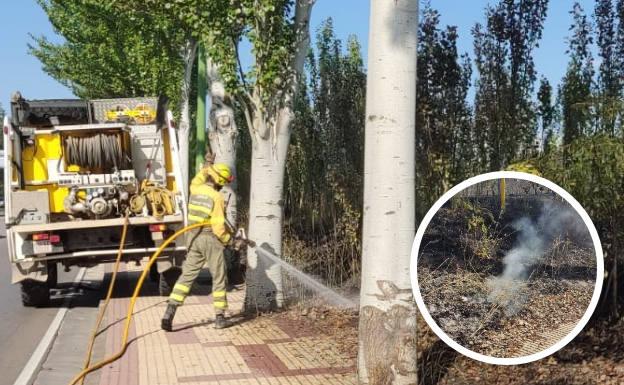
[142, 113]
[157, 201]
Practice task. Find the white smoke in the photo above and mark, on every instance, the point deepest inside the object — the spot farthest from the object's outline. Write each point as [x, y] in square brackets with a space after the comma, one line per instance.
[533, 240]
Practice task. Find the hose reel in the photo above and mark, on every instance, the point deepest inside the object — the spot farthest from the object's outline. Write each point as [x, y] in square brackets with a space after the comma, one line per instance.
[101, 151]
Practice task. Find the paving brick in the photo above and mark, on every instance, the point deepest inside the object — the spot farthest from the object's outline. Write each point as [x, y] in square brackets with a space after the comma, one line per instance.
[259, 351]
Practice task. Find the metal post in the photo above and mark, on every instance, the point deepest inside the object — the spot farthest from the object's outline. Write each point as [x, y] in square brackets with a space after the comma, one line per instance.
[502, 192]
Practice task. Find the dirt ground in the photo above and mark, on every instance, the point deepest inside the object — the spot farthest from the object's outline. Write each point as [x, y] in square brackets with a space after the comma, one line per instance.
[596, 356]
[486, 303]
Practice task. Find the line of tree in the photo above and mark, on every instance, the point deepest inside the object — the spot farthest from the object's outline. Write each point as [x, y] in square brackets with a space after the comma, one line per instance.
[572, 133]
[300, 111]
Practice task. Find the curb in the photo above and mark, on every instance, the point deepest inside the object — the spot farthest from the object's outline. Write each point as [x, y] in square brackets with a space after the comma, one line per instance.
[27, 375]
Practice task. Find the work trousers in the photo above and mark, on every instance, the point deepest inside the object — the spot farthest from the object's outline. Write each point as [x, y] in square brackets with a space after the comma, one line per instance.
[203, 248]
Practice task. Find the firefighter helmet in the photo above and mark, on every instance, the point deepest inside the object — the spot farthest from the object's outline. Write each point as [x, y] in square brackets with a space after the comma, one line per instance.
[220, 173]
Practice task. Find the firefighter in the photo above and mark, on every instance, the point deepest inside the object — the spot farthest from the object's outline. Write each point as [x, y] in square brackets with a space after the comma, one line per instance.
[206, 244]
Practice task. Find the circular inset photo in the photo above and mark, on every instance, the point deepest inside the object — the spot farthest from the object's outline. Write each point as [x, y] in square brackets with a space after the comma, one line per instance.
[507, 268]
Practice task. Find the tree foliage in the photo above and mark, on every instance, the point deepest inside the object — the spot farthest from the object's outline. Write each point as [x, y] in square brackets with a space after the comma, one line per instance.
[325, 163]
[444, 137]
[609, 86]
[575, 93]
[504, 111]
[133, 47]
[591, 168]
[547, 113]
[268, 25]
[108, 53]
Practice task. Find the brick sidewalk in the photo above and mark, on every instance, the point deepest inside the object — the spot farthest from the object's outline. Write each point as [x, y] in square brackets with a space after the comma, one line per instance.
[263, 350]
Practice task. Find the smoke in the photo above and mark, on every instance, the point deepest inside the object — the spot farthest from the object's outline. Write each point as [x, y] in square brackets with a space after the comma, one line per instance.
[534, 239]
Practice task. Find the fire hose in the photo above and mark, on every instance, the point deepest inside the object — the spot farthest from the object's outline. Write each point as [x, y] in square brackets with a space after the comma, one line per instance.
[95, 152]
[159, 200]
[124, 340]
[109, 294]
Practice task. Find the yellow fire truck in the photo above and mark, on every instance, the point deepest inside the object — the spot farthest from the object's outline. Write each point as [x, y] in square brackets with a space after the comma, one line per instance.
[74, 174]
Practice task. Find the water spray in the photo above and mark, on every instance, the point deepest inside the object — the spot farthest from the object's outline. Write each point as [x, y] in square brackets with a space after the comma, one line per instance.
[330, 295]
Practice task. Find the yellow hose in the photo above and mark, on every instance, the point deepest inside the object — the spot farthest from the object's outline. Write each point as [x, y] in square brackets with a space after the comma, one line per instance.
[137, 290]
[111, 286]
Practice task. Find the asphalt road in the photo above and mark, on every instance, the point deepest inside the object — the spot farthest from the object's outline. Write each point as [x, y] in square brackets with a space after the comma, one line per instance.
[21, 328]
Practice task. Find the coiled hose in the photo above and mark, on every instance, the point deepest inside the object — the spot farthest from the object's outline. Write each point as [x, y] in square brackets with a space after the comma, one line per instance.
[99, 151]
[137, 290]
[160, 201]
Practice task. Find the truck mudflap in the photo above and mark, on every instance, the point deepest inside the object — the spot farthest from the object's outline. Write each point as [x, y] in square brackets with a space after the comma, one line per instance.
[35, 270]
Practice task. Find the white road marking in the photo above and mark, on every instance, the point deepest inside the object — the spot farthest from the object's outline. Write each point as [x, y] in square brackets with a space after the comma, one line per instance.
[29, 371]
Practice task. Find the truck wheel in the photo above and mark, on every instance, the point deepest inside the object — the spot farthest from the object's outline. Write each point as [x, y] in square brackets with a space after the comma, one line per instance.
[168, 279]
[35, 293]
[153, 274]
[52, 275]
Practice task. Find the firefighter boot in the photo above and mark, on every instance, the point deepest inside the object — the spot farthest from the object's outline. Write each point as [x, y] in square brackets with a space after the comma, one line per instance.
[167, 321]
[221, 322]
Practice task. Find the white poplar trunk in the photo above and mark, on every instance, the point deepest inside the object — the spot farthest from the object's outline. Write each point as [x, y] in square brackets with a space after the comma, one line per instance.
[222, 133]
[268, 165]
[184, 128]
[387, 332]
[270, 135]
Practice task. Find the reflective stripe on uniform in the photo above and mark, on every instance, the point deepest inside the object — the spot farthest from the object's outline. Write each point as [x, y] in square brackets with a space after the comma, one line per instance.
[195, 218]
[177, 297]
[201, 199]
[198, 213]
[202, 209]
[183, 288]
[200, 206]
[219, 299]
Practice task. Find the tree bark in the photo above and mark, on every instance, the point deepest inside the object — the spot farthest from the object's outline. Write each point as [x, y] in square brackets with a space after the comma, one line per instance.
[268, 165]
[387, 332]
[200, 114]
[270, 135]
[188, 56]
[222, 134]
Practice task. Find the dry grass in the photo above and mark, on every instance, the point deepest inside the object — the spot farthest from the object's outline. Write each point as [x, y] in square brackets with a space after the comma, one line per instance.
[460, 278]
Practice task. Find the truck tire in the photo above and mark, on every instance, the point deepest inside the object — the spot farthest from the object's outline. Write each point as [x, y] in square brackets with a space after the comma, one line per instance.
[153, 274]
[35, 293]
[168, 279]
[52, 275]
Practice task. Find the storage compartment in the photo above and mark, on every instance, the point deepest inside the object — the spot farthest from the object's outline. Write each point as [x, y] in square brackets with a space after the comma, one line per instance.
[46, 113]
[29, 207]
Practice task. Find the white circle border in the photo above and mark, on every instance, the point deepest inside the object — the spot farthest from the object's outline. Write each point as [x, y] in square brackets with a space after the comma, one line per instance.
[511, 360]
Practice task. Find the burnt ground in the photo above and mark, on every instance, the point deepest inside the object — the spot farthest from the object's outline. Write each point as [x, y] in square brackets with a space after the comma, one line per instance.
[462, 254]
[595, 356]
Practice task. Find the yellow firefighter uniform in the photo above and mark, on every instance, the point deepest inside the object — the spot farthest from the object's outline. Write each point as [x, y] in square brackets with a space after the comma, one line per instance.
[205, 246]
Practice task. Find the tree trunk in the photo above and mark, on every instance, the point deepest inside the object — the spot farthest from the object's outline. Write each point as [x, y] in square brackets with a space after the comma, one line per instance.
[387, 332]
[200, 114]
[188, 56]
[268, 165]
[222, 133]
[270, 135]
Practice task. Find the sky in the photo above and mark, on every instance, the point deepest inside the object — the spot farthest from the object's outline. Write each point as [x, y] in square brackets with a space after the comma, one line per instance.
[20, 71]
